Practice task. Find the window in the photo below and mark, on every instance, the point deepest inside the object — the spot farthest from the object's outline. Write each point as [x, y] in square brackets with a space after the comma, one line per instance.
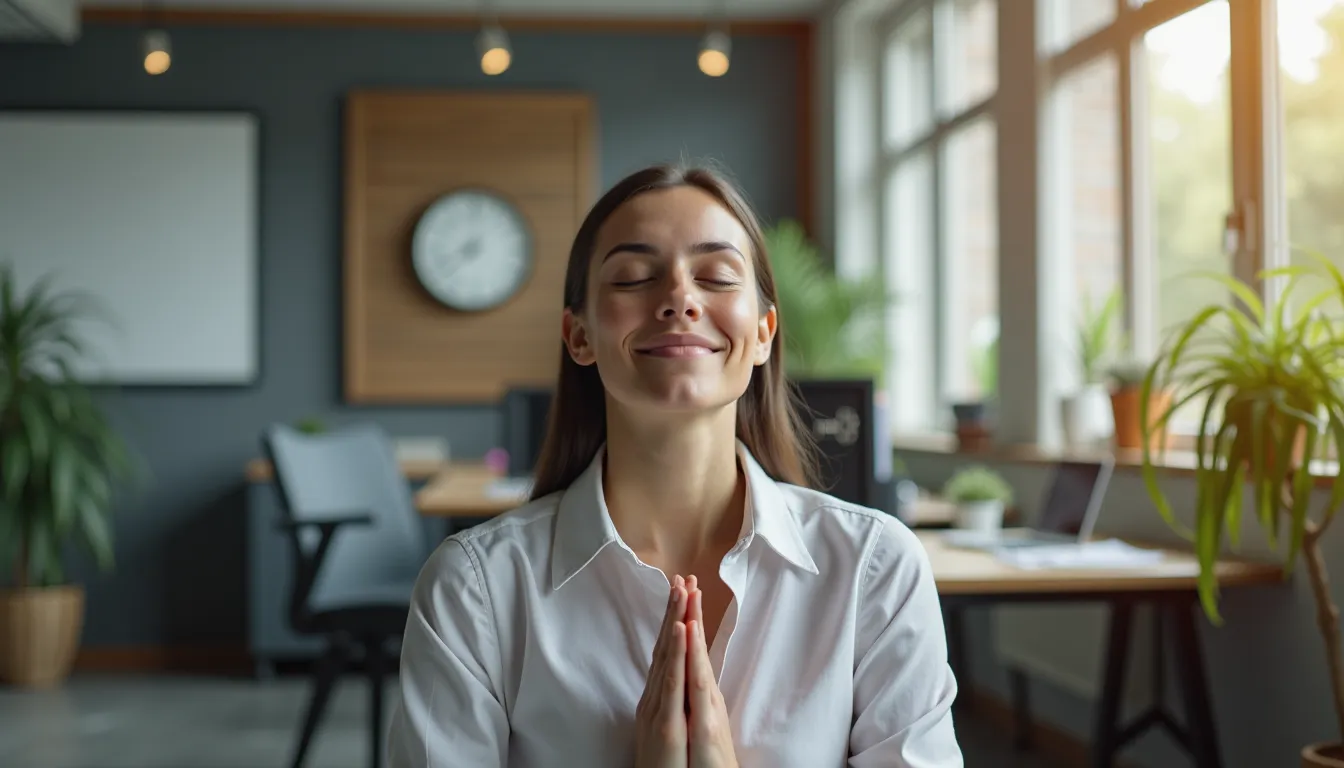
[1175, 137]
[1141, 170]
[1311, 77]
[939, 71]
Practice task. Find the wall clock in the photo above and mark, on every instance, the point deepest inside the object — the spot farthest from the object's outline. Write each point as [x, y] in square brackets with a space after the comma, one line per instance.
[472, 250]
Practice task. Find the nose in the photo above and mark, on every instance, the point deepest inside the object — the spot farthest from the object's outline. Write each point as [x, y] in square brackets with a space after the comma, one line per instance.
[681, 299]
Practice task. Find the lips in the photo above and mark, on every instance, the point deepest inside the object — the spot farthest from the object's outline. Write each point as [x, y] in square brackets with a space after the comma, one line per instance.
[678, 345]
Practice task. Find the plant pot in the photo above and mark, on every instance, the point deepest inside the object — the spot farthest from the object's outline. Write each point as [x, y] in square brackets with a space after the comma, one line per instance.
[40, 628]
[1239, 411]
[969, 413]
[1125, 415]
[1086, 418]
[983, 516]
[1325, 755]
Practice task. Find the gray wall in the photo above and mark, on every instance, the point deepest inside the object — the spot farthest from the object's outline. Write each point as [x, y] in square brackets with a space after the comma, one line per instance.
[1266, 664]
[180, 544]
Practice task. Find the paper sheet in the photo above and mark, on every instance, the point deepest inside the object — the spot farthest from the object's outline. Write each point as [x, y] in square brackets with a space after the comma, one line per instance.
[1109, 553]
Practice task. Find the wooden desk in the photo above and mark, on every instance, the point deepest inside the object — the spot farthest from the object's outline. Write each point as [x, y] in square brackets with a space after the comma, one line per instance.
[967, 578]
[964, 572]
[464, 490]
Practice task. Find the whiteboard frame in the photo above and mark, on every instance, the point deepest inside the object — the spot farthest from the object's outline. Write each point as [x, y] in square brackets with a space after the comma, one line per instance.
[187, 378]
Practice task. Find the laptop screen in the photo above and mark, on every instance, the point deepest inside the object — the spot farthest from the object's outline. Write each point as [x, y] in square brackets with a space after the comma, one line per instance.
[1070, 496]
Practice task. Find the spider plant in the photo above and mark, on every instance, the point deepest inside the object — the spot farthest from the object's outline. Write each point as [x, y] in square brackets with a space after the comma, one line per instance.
[1271, 384]
[835, 326]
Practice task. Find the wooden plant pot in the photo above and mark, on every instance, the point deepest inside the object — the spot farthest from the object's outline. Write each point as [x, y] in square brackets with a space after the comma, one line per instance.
[1125, 410]
[40, 630]
[1323, 756]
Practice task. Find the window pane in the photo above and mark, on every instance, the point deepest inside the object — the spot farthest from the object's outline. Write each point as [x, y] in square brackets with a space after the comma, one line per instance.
[908, 64]
[972, 63]
[1068, 21]
[908, 224]
[970, 275]
[1188, 135]
[1311, 65]
[1085, 205]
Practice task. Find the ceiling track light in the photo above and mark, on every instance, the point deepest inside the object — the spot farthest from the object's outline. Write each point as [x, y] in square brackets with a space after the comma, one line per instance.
[492, 45]
[715, 51]
[157, 50]
[155, 47]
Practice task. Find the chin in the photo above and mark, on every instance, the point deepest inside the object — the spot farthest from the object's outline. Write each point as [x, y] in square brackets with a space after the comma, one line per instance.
[681, 394]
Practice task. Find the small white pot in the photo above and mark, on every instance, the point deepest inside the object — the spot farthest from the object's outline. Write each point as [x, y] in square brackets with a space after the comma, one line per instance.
[984, 516]
[1085, 418]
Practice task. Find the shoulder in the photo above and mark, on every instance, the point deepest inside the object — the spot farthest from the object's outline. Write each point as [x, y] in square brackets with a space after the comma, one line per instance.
[878, 540]
[480, 555]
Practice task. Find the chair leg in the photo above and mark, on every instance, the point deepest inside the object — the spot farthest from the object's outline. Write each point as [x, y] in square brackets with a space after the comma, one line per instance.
[326, 672]
[375, 661]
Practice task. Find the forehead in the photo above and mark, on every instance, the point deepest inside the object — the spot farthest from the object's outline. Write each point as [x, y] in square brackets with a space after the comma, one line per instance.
[672, 218]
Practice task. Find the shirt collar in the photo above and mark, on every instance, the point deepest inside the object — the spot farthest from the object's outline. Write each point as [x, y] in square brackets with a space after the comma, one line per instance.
[584, 526]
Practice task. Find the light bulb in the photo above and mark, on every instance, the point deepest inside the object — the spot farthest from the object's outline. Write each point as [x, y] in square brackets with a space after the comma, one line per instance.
[714, 50]
[493, 46]
[158, 51]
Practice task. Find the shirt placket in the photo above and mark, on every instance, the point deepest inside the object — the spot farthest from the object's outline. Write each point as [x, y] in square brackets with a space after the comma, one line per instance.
[735, 574]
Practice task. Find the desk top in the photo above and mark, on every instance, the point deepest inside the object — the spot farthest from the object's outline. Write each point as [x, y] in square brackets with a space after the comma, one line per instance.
[467, 490]
[973, 572]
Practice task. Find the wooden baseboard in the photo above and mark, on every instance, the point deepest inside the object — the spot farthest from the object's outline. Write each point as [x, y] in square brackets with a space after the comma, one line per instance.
[1049, 741]
[223, 660]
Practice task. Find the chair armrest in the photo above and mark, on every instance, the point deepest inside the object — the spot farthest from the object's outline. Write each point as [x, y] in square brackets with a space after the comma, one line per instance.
[326, 524]
[308, 563]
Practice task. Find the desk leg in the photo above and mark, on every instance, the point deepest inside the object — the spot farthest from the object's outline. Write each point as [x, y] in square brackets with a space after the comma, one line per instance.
[1106, 735]
[1194, 687]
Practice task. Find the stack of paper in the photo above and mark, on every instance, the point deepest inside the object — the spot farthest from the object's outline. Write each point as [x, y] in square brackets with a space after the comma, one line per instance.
[509, 488]
[1110, 553]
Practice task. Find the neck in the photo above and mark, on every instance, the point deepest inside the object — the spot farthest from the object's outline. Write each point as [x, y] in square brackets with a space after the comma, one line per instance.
[674, 489]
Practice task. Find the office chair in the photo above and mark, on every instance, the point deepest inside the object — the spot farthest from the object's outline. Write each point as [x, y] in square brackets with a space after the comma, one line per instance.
[357, 546]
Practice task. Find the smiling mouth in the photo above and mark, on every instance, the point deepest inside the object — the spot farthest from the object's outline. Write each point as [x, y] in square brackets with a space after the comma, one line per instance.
[679, 350]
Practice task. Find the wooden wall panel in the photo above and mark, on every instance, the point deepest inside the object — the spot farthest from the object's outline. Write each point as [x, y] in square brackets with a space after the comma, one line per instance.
[404, 150]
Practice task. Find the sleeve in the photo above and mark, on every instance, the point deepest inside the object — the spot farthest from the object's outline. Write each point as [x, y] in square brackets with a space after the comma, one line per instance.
[903, 684]
[449, 711]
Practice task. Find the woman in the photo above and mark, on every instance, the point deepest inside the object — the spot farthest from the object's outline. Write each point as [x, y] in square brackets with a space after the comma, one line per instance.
[674, 595]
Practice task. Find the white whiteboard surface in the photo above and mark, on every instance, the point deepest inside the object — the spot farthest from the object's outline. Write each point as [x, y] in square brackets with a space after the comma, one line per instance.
[154, 214]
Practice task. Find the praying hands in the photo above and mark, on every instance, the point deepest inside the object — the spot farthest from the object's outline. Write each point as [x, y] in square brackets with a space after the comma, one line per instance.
[681, 720]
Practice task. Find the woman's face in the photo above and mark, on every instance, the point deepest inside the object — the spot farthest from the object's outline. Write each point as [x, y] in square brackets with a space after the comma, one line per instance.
[673, 319]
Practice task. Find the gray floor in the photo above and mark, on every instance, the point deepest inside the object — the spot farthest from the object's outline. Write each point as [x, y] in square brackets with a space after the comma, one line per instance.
[184, 722]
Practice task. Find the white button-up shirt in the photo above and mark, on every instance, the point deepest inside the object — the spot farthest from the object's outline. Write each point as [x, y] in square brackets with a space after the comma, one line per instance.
[530, 637]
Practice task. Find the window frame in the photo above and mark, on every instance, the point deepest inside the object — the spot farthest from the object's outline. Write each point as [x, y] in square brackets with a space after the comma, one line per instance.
[1256, 217]
[933, 141]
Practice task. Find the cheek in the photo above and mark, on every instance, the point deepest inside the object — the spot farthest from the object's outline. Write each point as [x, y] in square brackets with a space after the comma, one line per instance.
[737, 317]
[616, 316]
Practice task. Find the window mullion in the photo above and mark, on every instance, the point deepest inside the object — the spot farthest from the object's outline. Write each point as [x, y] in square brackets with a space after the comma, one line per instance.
[1136, 184]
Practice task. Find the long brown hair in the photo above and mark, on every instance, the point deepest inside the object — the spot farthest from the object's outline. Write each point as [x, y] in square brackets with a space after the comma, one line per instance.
[769, 423]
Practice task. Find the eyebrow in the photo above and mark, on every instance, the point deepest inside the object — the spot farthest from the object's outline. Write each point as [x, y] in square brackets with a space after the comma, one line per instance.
[712, 246]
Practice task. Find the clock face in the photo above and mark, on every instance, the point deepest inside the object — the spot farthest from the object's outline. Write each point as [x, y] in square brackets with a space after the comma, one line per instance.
[472, 250]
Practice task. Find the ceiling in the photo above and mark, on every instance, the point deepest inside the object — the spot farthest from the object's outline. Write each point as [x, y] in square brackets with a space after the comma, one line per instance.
[668, 9]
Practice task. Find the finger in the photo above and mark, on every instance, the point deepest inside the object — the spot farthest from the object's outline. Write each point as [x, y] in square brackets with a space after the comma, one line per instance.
[658, 662]
[696, 609]
[700, 675]
[672, 698]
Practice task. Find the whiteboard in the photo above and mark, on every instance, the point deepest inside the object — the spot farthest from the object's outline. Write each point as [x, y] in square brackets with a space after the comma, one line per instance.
[155, 215]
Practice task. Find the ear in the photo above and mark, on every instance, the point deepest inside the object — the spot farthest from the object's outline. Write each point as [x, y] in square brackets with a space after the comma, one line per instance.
[576, 338]
[765, 334]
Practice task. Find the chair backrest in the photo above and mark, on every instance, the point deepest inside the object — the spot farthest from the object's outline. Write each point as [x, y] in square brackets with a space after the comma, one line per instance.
[349, 471]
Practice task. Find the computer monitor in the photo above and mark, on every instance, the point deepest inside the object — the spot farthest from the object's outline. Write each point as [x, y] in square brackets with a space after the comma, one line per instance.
[1074, 500]
[524, 411]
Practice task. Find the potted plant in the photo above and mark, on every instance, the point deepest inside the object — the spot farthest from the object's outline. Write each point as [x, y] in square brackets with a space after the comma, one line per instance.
[981, 495]
[1273, 385]
[1086, 416]
[1130, 400]
[59, 463]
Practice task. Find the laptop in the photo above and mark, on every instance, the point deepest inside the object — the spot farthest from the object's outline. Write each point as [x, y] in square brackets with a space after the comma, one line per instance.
[1069, 516]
